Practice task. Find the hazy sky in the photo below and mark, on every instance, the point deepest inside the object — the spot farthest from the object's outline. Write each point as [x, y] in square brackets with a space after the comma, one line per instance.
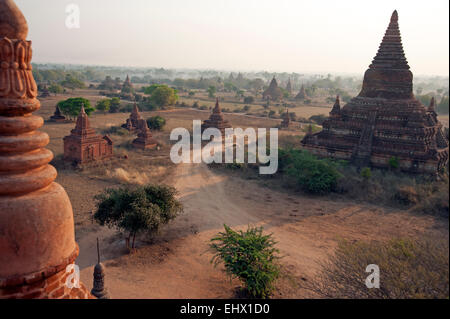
[272, 35]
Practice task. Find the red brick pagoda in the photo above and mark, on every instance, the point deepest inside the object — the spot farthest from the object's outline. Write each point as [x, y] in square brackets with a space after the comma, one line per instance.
[144, 140]
[216, 120]
[132, 123]
[385, 120]
[83, 145]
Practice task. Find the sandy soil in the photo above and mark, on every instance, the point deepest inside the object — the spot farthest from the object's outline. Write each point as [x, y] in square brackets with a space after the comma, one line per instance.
[176, 264]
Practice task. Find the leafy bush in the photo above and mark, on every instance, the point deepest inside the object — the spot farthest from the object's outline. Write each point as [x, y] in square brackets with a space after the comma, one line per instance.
[143, 209]
[249, 256]
[366, 173]
[313, 175]
[408, 269]
[394, 163]
[72, 107]
[156, 123]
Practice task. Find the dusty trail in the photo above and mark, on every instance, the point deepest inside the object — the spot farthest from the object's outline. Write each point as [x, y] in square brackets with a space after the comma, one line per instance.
[177, 264]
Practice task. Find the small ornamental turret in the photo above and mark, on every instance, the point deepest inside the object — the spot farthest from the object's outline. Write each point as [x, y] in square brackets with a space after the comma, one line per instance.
[99, 290]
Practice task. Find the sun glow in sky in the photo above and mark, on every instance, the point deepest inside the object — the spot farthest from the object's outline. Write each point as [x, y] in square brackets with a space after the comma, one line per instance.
[302, 36]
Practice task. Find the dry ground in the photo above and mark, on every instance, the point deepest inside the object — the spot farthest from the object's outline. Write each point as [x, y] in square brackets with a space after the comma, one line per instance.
[176, 263]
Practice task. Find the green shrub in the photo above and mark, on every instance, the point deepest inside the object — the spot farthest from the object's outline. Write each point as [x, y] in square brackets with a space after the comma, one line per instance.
[313, 175]
[143, 209]
[408, 269]
[394, 163]
[249, 256]
[156, 123]
[366, 173]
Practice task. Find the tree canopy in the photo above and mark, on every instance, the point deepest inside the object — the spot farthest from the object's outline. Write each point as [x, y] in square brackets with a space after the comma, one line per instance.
[72, 107]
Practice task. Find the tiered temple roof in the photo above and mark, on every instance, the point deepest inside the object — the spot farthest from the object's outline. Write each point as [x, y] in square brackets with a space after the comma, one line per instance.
[37, 240]
[84, 144]
[385, 120]
[145, 139]
[216, 120]
[273, 92]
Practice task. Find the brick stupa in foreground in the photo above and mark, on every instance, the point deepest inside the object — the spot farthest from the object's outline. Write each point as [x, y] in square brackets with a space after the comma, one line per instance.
[216, 120]
[37, 237]
[84, 145]
[385, 120]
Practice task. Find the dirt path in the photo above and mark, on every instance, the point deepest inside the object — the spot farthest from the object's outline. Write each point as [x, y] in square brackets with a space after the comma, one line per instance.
[176, 264]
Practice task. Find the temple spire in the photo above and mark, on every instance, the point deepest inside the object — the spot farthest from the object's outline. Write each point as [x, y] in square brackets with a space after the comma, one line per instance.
[217, 109]
[389, 75]
[336, 110]
[390, 53]
[431, 107]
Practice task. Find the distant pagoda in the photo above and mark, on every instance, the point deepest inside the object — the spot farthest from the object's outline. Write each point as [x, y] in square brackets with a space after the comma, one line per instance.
[127, 87]
[273, 92]
[286, 123]
[84, 145]
[132, 123]
[302, 94]
[289, 86]
[45, 92]
[144, 139]
[57, 116]
[385, 120]
[216, 120]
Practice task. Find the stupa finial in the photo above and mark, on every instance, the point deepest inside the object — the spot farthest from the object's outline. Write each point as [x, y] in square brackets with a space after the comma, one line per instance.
[394, 17]
[13, 24]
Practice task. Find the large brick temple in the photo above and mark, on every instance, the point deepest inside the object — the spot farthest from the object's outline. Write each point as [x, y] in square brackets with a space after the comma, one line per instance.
[84, 144]
[385, 120]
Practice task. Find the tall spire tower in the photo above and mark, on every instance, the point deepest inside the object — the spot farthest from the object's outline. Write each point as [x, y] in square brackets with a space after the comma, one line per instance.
[37, 240]
[385, 120]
